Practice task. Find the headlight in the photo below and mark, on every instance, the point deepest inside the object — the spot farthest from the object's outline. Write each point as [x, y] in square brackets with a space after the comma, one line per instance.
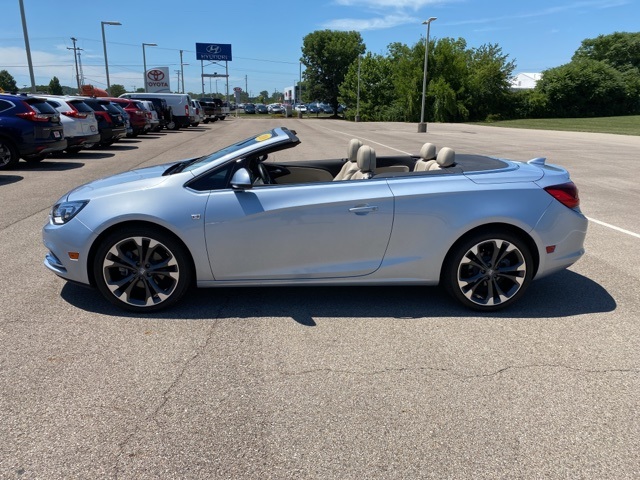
[62, 212]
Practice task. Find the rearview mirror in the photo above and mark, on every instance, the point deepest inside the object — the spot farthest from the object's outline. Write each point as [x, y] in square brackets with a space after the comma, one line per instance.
[241, 180]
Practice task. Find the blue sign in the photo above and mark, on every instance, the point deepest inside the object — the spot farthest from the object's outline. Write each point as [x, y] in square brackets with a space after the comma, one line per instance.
[213, 51]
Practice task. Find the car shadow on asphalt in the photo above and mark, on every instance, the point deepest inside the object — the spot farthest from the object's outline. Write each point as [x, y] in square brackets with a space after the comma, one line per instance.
[9, 179]
[48, 164]
[561, 295]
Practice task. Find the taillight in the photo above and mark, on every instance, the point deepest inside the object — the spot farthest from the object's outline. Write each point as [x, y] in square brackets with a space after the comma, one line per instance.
[186, 110]
[33, 116]
[566, 193]
[75, 114]
[140, 113]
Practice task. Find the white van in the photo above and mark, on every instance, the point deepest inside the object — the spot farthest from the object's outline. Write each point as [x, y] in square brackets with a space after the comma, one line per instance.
[180, 104]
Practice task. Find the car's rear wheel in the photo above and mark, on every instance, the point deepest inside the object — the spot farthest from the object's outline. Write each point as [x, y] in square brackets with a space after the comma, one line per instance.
[142, 269]
[9, 156]
[488, 271]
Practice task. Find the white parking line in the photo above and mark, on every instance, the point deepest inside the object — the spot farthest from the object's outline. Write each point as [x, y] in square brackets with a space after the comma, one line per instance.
[613, 227]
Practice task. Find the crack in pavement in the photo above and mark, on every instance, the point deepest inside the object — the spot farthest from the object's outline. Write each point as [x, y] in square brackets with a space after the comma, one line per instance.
[165, 395]
[459, 375]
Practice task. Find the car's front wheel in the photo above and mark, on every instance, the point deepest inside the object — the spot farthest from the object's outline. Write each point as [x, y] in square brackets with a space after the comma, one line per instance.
[488, 271]
[142, 269]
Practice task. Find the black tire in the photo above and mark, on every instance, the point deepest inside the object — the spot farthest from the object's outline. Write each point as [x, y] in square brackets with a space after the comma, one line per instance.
[488, 271]
[142, 269]
[74, 150]
[172, 125]
[9, 156]
[205, 121]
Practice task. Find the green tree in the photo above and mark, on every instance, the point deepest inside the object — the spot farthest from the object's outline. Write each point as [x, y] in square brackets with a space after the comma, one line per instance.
[54, 87]
[621, 50]
[488, 84]
[584, 88]
[7, 82]
[376, 89]
[116, 90]
[327, 56]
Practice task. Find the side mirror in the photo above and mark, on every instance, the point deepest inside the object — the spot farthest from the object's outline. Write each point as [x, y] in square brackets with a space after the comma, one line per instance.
[241, 180]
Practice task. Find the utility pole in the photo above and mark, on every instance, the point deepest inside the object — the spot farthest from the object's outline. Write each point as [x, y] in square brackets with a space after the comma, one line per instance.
[75, 57]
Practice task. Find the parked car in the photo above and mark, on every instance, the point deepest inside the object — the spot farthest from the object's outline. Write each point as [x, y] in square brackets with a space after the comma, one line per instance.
[152, 114]
[30, 128]
[180, 104]
[140, 121]
[326, 108]
[126, 118]
[275, 108]
[213, 109]
[301, 107]
[481, 227]
[111, 123]
[261, 108]
[163, 110]
[78, 122]
[198, 113]
[314, 108]
[249, 108]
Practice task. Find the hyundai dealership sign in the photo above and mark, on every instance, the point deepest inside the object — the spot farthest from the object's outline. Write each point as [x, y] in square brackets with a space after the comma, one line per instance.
[157, 80]
[213, 51]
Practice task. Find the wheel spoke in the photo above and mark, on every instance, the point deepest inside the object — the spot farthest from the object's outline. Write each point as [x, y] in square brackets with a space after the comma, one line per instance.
[491, 272]
[141, 271]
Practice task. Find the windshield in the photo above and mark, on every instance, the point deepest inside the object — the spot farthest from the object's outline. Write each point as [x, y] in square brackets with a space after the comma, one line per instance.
[243, 144]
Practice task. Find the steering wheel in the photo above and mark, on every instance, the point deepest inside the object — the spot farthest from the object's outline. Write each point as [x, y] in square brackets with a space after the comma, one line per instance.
[264, 174]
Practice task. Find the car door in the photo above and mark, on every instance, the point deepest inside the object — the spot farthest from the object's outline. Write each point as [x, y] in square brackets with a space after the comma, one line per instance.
[312, 231]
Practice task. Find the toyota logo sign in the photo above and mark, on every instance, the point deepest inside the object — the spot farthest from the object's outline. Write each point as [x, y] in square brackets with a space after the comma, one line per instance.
[155, 75]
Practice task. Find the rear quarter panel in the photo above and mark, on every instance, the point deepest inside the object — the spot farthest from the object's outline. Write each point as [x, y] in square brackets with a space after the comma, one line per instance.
[433, 211]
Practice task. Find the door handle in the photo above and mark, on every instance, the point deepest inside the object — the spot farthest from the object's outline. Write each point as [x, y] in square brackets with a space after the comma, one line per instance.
[363, 209]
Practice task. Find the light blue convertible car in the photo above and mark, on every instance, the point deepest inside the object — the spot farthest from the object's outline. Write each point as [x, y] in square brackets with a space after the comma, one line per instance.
[481, 227]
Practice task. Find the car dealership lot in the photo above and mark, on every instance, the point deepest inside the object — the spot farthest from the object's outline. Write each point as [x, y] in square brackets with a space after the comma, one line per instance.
[375, 382]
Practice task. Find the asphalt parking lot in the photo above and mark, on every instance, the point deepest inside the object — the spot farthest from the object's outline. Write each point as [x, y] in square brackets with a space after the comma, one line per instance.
[326, 383]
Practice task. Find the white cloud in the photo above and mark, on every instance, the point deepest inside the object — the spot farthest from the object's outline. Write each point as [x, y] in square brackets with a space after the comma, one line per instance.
[395, 4]
[361, 25]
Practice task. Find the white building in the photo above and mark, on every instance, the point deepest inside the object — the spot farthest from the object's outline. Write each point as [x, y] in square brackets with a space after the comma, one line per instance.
[523, 81]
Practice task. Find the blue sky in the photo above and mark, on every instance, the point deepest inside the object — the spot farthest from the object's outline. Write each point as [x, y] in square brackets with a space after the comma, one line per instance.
[266, 37]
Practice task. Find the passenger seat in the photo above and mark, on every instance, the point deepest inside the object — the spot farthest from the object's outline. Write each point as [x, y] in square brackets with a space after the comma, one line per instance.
[427, 158]
[350, 167]
[446, 158]
[366, 163]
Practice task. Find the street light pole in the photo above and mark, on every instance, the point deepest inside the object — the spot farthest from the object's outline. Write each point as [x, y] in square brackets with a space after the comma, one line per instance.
[422, 126]
[104, 46]
[144, 61]
[75, 57]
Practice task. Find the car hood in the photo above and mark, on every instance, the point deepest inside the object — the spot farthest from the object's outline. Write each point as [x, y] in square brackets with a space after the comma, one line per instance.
[138, 179]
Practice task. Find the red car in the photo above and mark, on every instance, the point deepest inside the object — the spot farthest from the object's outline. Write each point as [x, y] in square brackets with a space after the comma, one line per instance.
[140, 123]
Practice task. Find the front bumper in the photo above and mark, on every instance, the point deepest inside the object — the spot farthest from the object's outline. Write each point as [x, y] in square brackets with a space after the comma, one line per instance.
[63, 242]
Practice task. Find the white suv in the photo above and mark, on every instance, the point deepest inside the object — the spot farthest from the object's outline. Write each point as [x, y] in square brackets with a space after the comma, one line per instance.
[79, 123]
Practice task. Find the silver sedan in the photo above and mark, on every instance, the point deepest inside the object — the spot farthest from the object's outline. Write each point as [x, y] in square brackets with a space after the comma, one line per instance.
[481, 227]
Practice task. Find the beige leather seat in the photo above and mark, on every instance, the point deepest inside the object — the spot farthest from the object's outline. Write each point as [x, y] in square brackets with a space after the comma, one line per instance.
[366, 163]
[446, 158]
[350, 167]
[427, 157]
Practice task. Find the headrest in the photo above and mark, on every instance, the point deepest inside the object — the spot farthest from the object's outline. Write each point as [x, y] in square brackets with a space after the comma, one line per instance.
[446, 157]
[366, 159]
[352, 152]
[428, 151]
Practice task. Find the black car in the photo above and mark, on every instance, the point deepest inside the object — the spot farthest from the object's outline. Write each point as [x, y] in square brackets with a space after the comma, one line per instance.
[165, 113]
[249, 108]
[30, 128]
[262, 108]
[111, 123]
